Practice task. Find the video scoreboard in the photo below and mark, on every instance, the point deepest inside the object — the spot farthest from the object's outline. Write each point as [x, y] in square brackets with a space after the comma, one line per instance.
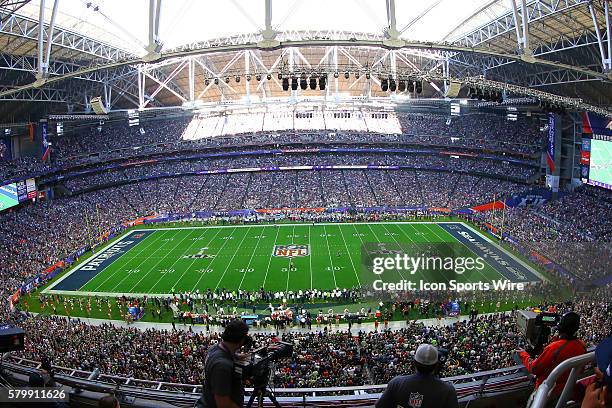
[14, 193]
[596, 151]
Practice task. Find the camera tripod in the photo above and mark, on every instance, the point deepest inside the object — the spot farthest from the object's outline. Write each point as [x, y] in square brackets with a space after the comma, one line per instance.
[261, 392]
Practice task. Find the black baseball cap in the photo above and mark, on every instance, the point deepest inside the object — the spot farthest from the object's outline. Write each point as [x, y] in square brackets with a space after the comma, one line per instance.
[569, 323]
[235, 331]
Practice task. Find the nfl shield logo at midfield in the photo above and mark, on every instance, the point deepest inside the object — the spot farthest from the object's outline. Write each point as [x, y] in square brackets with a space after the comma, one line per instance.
[291, 251]
[415, 400]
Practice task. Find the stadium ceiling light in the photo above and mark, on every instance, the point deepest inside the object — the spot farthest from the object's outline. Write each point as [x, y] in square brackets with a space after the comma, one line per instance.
[346, 75]
[336, 74]
[357, 75]
[402, 85]
[237, 78]
[227, 79]
[392, 85]
[294, 83]
[313, 83]
[410, 86]
[322, 82]
[303, 84]
[216, 81]
[280, 76]
[384, 84]
[368, 75]
[418, 87]
[562, 102]
[269, 77]
[258, 77]
[285, 84]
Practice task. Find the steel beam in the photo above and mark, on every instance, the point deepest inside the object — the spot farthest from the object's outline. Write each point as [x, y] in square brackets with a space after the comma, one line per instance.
[27, 28]
[391, 29]
[556, 77]
[525, 18]
[534, 11]
[605, 60]
[41, 37]
[408, 48]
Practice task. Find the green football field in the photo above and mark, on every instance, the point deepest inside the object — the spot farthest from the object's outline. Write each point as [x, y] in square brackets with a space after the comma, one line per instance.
[277, 257]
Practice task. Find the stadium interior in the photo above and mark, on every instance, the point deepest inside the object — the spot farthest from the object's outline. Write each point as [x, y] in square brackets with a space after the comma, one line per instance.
[170, 167]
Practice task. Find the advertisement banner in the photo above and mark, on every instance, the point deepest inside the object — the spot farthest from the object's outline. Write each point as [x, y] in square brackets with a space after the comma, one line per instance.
[550, 152]
[46, 147]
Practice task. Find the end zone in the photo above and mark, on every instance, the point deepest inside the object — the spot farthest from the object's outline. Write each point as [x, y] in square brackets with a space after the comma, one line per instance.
[92, 266]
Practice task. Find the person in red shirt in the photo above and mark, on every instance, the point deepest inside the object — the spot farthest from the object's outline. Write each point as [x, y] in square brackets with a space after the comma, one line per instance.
[561, 349]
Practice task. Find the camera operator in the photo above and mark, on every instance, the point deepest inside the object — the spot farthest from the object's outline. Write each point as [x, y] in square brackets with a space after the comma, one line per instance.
[566, 346]
[422, 389]
[599, 393]
[223, 386]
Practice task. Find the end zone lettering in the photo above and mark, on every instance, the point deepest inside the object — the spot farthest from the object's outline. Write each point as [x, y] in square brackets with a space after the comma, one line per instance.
[110, 252]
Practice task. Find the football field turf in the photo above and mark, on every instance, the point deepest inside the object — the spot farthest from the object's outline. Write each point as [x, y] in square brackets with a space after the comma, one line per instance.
[277, 257]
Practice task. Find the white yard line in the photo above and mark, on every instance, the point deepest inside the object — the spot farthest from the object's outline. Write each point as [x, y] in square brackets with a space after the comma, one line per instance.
[396, 241]
[213, 261]
[88, 259]
[330, 257]
[233, 256]
[155, 265]
[251, 258]
[174, 263]
[455, 239]
[271, 256]
[348, 251]
[310, 257]
[290, 260]
[298, 224]
[194, 261]
[119, 269]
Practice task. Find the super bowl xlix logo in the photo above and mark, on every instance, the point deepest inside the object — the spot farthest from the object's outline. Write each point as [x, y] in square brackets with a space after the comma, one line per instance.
[291, 251]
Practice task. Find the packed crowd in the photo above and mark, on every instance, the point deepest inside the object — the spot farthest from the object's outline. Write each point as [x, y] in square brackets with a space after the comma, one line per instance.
[490, 131]
[299, 188]
[94, 143]
[321, 358]
[573, 231]
[152, 169]
[21, 167]
[480, 131]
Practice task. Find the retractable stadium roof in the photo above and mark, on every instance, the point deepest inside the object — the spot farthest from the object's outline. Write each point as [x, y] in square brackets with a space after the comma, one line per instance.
[154, 53]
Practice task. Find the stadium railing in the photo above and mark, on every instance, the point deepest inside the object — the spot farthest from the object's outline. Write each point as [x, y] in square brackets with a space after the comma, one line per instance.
[576, 366]
[469, 387]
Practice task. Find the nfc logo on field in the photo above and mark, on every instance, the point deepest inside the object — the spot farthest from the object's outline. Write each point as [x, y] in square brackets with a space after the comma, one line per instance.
[291, 251]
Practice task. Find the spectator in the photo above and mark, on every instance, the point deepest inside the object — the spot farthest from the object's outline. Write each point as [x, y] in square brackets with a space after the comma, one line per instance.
[109, 401]
[599, 393]
[567, 346]
[422, 389]
[223, 386]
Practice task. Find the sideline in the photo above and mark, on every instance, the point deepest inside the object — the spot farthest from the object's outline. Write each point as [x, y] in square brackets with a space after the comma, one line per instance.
[331, 328]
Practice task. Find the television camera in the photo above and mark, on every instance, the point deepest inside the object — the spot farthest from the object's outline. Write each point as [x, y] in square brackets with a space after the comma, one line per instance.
[536, 328]
[258, 367]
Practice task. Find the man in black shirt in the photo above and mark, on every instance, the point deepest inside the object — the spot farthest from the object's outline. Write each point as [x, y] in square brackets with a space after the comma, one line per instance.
[420, 390]
[223, 386]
